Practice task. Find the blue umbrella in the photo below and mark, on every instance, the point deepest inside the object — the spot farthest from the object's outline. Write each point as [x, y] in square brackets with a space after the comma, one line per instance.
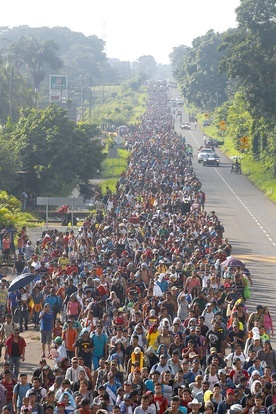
[21, 281]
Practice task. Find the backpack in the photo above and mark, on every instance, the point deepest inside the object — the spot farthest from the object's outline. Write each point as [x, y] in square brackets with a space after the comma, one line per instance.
[38, 395]
[18, 387]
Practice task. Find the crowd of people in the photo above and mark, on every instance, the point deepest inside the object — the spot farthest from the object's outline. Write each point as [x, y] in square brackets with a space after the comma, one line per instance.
[136, 308]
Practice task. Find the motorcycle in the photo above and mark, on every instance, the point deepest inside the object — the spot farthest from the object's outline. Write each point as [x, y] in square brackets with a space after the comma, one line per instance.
[236, 167]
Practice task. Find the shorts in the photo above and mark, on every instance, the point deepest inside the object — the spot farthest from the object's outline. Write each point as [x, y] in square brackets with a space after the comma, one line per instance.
[45, 337]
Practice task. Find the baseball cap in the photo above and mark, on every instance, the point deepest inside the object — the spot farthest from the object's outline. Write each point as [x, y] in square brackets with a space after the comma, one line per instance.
[256, 336]
[221, 371]
[213, 350]
[230, 391]
[137, 350]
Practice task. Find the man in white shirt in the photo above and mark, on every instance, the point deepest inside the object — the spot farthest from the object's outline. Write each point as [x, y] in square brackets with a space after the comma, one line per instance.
[72, 372]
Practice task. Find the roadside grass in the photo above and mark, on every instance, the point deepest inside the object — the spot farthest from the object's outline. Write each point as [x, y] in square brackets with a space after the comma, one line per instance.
[112, 169]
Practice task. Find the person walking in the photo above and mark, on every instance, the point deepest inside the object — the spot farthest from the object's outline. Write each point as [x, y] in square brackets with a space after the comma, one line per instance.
[46, 325]
[15, 351]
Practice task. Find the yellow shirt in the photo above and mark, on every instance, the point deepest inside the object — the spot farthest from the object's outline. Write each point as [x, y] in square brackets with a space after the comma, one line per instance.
[62, 261]
[152, 340]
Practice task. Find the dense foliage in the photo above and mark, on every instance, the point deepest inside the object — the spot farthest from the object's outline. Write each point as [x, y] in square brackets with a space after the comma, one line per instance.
[29, 55]
[51, 150]
[238, 67]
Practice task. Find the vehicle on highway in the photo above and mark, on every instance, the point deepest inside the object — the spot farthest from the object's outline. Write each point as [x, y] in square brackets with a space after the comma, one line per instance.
[173, 102]
[180, 101]
[186, 125]
[203, 152]
[236, 164]
[211, 159]
[212, 142]
[206, 123]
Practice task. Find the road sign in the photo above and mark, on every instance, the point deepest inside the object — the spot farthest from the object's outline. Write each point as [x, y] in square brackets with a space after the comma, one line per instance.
[222, 123]
[58, 88]
[244, 140]
[112, 153]
[118, 139]
[206, 115]
[60, 201]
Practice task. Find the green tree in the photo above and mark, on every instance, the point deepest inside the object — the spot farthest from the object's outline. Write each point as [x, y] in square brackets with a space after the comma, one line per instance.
[201, 82]
[251, 56]
[147, 65]
[36, 56]
[54, 150]
[177, 58]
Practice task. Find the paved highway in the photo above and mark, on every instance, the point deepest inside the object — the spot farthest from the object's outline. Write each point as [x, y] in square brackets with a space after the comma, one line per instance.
[248, 216]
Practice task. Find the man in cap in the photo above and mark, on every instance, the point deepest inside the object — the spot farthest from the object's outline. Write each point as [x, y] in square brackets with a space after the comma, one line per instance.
[162, 365]
[61, 350]
[226, 404]
[256, 317]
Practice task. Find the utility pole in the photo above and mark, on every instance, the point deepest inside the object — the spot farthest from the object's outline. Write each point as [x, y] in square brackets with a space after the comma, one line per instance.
[10, 94]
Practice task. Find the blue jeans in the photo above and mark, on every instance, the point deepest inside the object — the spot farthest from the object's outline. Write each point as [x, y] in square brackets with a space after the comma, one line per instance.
[95, 361]
[14, 365]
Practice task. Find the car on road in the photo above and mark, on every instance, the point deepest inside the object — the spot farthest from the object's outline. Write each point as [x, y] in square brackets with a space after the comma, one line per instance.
[212, 142]
[211, 159]
[206, 123]
[186, 125]
[203, 152]
[173, 101]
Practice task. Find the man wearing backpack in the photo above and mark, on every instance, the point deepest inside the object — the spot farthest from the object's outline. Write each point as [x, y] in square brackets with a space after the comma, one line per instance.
[19, 393]
[37, 390]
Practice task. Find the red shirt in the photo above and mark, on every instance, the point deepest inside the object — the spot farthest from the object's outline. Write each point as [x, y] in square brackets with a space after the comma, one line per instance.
[70, 269]
[9, 387]
[162, 402]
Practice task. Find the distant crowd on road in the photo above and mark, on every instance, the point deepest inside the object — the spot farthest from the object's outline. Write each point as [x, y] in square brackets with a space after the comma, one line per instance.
[142, 309]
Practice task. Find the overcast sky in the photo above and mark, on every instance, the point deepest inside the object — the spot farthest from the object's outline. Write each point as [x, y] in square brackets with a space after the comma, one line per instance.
[130, 28]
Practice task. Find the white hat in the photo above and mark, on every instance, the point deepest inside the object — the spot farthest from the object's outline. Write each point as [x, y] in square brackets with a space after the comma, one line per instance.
[235, 408]
[256, 336]
[194, 402]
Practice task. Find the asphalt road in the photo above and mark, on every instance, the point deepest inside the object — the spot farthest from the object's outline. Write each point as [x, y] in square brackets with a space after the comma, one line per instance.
[248, 216]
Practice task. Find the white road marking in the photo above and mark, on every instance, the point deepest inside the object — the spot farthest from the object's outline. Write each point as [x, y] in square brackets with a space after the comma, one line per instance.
[237, 197]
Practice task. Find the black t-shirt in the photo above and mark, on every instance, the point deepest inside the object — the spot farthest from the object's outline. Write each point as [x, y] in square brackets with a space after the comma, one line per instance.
[83, 344]
[215, 339]
[15, 350]
[19, 266]
[239, 334]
